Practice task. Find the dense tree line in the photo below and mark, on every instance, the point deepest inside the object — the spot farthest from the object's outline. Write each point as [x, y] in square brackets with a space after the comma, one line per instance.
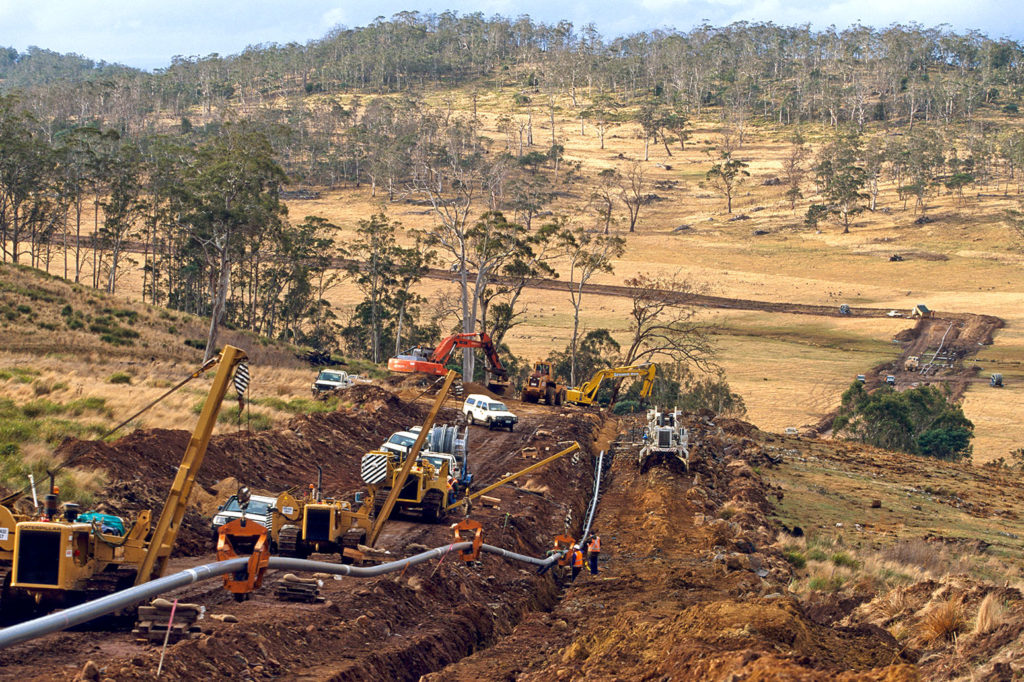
[903, 73]
[202, 217]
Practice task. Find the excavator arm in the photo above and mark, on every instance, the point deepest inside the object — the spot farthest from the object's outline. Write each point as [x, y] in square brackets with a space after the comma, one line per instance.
[470, 340]
[586, 393]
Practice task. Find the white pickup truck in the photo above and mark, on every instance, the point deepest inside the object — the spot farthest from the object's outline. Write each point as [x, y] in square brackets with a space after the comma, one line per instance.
[329, 381]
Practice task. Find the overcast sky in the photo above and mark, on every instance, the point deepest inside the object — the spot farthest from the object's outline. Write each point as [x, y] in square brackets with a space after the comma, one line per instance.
[147, 33]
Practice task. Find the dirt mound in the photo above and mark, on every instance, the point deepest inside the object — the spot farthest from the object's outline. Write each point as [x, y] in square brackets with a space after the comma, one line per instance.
[143, 464]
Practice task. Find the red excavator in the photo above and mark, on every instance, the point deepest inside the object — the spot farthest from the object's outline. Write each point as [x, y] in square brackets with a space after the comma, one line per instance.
[433, 360]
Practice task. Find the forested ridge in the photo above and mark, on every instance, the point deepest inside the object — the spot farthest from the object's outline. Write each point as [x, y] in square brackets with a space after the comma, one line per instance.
[192, 160]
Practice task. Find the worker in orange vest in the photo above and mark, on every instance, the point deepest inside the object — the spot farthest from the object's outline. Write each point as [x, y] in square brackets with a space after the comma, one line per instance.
[594, 549]
[576, 563]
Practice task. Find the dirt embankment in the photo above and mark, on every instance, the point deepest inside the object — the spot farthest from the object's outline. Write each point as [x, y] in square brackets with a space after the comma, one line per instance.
[142, 465]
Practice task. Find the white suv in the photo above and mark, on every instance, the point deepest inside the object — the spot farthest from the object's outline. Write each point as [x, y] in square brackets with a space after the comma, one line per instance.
[258, 510]
[481, 409]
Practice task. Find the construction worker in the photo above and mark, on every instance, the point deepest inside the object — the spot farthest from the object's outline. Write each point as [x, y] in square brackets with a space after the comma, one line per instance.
[576, 563]
[451, 490]
[594, 550]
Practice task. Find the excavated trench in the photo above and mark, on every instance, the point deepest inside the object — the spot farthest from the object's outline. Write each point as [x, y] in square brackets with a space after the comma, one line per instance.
[691, 586]
[393, 627]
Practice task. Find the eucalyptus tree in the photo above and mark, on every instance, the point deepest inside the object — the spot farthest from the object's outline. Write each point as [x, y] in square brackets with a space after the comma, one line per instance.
[726, 176]
[228, 194]
[841, 177]
[588, 254]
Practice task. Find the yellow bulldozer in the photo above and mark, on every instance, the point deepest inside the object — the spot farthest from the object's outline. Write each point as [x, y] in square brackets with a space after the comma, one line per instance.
[586, 394]
[542, 385]
[61, 557]
[299, 527]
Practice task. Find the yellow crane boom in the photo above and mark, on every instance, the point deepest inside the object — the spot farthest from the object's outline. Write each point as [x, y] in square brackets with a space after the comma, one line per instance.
[166, 532]
[410, 459]
[511, 477]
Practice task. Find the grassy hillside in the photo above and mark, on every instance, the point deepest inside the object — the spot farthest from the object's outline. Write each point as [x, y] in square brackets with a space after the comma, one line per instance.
[76, 362]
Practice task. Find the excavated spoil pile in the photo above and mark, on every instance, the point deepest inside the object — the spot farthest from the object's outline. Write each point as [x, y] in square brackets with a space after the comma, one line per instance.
[689, 588]
[395, 627]
[142, 465]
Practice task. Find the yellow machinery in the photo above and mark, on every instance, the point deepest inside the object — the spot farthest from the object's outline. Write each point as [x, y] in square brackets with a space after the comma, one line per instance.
[387, 475]
[542, 385]
[58, 559]
[585, 394]
[299, 527]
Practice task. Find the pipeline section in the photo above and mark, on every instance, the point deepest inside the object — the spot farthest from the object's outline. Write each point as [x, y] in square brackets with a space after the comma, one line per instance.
[76, 615]
[83, 613]
[593, 500]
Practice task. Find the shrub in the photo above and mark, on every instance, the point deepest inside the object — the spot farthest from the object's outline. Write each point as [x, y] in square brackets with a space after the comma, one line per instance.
[942, 622]
[120, 378]
[815, 554]
[795, 557]
[991, 614]
[626, 407]
[832, 583]
[198, 344]
[845, 560]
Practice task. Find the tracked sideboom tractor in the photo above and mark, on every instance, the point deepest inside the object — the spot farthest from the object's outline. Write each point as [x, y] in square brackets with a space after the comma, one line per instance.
[63, 558]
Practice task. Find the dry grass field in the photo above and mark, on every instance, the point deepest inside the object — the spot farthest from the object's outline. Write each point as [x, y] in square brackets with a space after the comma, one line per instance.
[790, 369]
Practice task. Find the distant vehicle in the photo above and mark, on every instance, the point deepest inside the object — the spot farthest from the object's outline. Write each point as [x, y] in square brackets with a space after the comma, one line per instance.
[258, 511]
[844, 309]
[862, 379]
[331, 380]
[890, 379]
[996, 381]
[894, 313]
[482, 409]
[912, 364]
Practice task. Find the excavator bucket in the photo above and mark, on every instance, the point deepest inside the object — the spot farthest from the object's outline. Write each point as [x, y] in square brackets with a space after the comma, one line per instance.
[239, 538]
[497, 386]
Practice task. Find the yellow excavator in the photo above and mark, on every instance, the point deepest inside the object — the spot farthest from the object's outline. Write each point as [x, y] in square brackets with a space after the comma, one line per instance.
[587, 393]
[63, 558]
